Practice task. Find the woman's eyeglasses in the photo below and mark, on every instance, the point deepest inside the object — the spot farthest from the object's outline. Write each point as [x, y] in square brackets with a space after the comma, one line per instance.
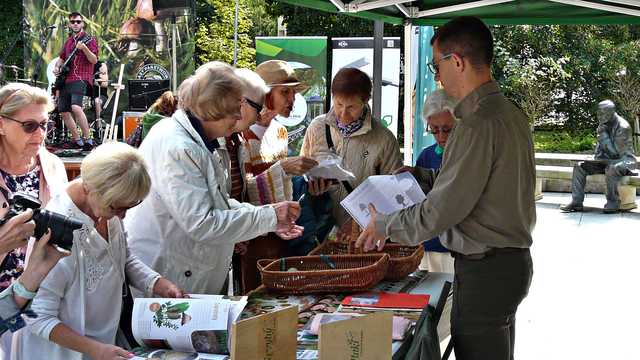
[254, 105]
[437, 130]
[29, 126]
[124, 208]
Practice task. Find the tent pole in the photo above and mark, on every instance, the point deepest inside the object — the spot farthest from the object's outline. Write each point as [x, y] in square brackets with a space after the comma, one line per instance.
[378, 33]
[598, 6]
[460, 7]
[235, 37]
[408, 94]
[174, 66]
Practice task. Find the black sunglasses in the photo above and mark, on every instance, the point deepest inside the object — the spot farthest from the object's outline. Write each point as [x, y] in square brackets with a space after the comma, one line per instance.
[254, 105]
[30, 126]
[75, 21]
[125, 208]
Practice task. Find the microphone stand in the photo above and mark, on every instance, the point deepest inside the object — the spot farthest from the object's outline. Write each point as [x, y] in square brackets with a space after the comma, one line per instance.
[43, 45]
[17, 37]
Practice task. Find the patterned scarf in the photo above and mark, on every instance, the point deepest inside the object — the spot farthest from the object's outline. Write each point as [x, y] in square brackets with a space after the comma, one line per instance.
[349, 129]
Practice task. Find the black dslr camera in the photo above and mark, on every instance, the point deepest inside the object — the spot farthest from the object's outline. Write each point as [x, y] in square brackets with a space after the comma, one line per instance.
[61, 226]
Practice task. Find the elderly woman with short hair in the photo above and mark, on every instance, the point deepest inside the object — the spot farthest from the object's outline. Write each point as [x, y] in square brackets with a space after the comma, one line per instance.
[79, 303]
[189, 211]
[365, 145]
[25, 164]
[439, 120]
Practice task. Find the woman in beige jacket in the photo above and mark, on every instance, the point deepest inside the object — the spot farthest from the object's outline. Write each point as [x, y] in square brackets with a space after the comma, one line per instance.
[365, 145]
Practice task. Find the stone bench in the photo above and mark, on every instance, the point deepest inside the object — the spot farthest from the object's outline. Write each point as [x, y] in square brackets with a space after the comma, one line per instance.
[627, 188]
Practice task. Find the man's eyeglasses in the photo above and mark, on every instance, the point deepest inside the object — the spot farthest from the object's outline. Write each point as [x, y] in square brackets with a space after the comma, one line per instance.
[254, 105]
[124, 208]
[75, 21]
[437, 130]
[29, 126]
[434, 66]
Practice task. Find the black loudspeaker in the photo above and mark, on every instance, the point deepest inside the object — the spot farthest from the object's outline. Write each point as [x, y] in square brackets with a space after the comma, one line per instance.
[143, 93]
[171, 7]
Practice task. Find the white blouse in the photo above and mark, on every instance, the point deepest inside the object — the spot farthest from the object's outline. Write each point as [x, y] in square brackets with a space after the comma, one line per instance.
[84, 290]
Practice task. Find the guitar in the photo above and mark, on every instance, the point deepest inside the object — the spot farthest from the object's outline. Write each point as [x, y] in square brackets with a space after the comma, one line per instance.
[64, 69]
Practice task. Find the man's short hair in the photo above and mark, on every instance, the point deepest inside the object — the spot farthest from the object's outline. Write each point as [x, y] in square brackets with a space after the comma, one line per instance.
[467, 36]
[75, 14]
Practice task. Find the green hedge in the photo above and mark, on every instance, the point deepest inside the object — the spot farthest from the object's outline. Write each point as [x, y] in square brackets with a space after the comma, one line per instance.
[565, 142]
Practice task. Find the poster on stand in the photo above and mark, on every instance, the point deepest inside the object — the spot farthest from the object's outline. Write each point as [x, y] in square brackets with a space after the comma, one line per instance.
[307, 55]
[358, 53]
[127, 32]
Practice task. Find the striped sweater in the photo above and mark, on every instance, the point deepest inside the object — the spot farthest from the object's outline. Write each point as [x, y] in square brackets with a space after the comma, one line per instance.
[266, 181]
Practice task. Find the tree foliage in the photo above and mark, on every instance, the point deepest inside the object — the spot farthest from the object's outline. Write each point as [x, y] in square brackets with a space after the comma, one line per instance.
[592, 56]
[10, 29]
[532, 84]
[215, 32]
[302, 21]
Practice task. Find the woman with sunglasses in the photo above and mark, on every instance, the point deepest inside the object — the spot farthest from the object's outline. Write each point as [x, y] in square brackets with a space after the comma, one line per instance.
[80, 302]
[25, 164]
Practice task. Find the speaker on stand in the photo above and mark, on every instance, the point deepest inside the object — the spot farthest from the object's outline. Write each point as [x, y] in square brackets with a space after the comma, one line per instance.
[143, 93]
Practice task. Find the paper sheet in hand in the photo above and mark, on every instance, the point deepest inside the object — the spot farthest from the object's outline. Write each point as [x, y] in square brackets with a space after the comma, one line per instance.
[329, 167]
[388, 193]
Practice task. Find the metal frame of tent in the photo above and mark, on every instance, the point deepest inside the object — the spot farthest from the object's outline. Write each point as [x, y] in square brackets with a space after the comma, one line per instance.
[493, 12]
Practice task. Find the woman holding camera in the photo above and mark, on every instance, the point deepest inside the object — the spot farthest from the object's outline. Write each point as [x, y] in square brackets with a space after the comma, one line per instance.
[79, 303]
[14, 299]
[25, 164]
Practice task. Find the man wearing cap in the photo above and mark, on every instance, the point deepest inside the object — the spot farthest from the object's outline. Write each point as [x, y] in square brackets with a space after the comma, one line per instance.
[267, 168]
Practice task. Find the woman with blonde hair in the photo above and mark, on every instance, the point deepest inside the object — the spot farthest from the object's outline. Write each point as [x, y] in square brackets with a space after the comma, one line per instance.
[79, 303]
[25, 164]
[187, 227]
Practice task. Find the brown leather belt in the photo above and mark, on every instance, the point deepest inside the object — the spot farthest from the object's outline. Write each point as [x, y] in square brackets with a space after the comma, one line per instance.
[489, 253]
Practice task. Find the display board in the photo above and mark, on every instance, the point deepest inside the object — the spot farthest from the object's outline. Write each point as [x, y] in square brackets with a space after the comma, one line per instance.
[358, 53]
[307, 55]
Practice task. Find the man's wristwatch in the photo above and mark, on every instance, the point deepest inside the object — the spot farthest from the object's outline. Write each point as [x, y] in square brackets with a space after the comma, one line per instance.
[21, 291]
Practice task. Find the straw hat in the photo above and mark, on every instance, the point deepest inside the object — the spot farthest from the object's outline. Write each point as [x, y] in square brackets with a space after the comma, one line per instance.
[279, 73]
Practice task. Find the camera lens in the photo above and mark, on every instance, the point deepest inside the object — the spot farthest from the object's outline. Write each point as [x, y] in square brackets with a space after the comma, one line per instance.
[61, 226]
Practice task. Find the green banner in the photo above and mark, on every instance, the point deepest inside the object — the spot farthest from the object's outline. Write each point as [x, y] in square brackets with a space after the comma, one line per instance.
[308, 57]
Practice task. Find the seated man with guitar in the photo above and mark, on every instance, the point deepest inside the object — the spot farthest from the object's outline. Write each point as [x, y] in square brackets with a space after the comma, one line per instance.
[74, 73]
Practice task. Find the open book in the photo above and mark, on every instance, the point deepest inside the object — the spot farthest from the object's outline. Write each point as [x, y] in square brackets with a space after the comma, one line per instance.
[388, 193]
[185, 329]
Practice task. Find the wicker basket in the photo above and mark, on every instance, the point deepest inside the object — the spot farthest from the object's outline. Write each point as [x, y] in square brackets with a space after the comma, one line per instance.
[314, 274]
[403, 259]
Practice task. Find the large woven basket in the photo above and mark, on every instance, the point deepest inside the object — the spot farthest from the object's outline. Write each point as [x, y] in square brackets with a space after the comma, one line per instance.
[322, 273]
[403, 259]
